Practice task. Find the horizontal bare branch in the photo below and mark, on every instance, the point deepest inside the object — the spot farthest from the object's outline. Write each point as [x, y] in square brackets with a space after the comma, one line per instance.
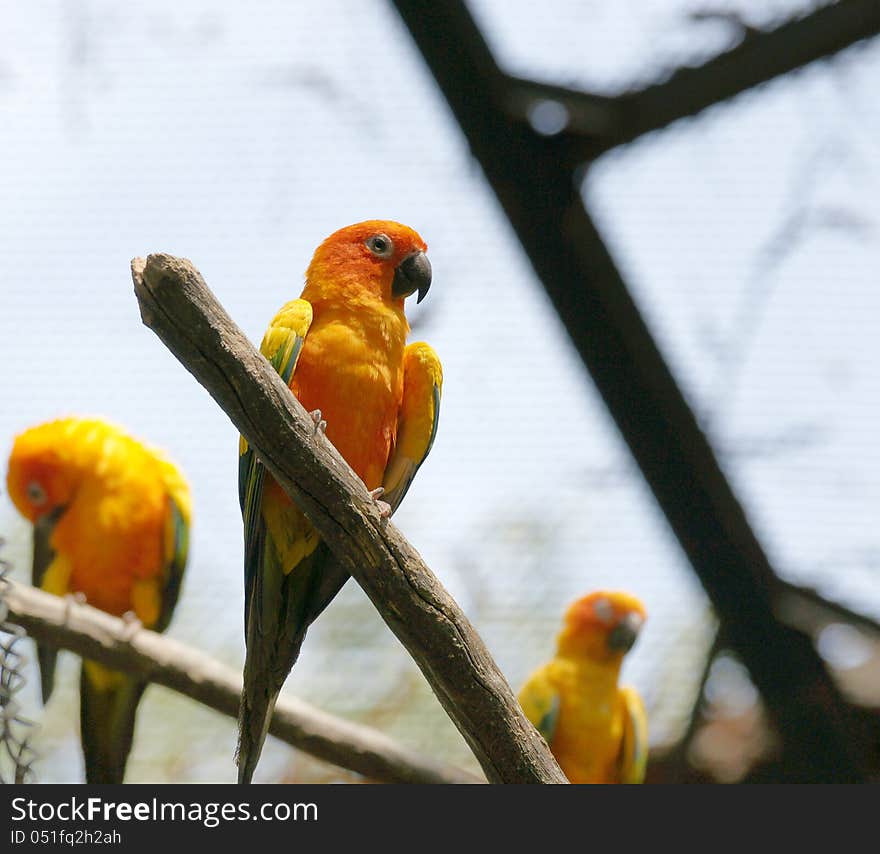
[178, 306]
[99, 636]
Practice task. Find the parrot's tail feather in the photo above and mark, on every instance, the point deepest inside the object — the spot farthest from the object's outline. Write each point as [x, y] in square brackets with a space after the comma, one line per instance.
[46, 656]
[283, 608]
[254, 717]
[108, 707]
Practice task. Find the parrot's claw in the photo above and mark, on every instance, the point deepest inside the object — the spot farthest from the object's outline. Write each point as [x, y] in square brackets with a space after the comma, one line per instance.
[71, 599]
[132, 626]
[384, 506]
[320, 423]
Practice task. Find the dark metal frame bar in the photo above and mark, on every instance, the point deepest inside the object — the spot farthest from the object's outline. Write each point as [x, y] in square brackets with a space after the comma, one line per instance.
[534, 178]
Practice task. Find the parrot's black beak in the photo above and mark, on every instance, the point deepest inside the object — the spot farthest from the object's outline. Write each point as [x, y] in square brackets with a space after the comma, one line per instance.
[624, 634]
[45, 525]
[412, 274]
[43, 555]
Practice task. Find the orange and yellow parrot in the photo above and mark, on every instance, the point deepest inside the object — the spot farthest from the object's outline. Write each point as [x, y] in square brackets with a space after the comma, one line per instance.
[341, 348]
[597, 731]
[111, 524]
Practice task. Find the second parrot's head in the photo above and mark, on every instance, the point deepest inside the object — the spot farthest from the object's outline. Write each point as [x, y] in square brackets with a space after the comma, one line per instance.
[372, 260]
[602, 626]
[41, 479]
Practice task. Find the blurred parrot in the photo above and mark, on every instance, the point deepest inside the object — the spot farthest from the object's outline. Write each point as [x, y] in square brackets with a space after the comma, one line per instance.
[111, 525]
[341, 348]
[597, 731]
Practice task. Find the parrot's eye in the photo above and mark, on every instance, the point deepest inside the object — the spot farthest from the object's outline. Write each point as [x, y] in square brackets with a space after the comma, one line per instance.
[381, 245]
[36, 494]
[604, 610]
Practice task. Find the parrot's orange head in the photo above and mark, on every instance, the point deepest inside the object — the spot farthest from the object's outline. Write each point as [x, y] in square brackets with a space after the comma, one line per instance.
[601, 626]
[40, 479]
[376, 259]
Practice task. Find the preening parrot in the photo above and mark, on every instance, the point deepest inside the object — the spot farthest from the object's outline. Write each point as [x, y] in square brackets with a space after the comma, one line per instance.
[341, 348]
[110, 523]
[597, 731]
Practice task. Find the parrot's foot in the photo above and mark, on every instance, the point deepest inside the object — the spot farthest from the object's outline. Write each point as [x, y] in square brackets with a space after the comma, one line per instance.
[320, 423]
[132, 626]
[384, 506]
[71, 599]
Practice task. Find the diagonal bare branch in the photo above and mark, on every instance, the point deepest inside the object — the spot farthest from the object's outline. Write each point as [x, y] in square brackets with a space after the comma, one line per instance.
[177, 305]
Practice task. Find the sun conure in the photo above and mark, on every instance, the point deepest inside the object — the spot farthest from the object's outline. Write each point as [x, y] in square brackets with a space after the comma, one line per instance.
[341, 348]
[111, 525]
[597, 731]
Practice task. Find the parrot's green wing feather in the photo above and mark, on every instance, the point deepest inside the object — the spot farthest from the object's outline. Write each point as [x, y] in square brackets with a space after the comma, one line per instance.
[250, 493]
[285, 598]
[176, 552]
[634, 751]
[540, 702]
[417, 420]
[287, 577]
[547, 725]
[281, 345]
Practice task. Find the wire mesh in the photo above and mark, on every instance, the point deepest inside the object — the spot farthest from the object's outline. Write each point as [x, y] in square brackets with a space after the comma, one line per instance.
[16, 754]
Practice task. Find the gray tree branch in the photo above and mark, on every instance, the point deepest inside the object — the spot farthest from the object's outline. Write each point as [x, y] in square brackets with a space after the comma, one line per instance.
[99, 636]
[178, 306]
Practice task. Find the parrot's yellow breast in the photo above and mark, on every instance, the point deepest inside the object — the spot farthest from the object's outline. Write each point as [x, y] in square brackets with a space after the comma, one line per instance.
[589, 732]
[351, 368]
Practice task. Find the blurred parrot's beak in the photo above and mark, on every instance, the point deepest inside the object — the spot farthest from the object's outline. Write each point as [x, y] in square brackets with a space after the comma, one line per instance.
[43, 551]
[44, 525]
[624, 634]
[43, 556]
[412, 274]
